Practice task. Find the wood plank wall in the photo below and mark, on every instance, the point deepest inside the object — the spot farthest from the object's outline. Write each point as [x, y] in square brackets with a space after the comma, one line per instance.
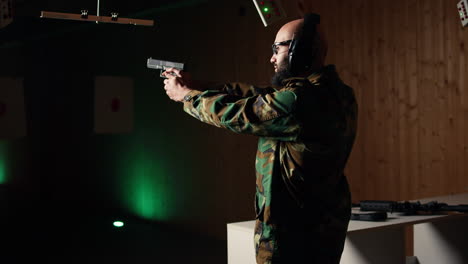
[406, 60]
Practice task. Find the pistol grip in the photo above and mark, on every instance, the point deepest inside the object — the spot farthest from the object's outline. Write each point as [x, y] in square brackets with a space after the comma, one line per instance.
[162, 76]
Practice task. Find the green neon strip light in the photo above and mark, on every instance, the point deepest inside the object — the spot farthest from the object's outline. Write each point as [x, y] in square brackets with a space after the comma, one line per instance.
[3, 162]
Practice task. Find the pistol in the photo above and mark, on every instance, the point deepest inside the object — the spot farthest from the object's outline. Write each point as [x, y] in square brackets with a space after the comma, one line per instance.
[163, 65]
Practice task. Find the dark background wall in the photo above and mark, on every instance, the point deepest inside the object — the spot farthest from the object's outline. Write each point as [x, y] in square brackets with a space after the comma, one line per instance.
[177, 182]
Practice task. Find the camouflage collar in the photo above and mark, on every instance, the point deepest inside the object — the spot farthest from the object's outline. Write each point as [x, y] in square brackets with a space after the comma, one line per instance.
[315, 77]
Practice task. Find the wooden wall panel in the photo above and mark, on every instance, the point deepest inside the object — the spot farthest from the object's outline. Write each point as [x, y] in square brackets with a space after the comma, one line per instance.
[406, 60]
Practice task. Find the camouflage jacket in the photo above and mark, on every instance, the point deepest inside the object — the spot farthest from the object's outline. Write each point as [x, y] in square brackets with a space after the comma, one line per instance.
[306, 130]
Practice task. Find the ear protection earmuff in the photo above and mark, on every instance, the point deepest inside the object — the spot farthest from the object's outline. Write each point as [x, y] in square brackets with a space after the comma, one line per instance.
[302, 52]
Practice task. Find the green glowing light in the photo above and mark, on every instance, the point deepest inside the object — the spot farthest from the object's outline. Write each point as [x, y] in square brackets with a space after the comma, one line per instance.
[3, 163]
[118, 223]
[265, 9]
[2, 172]
[145, 186]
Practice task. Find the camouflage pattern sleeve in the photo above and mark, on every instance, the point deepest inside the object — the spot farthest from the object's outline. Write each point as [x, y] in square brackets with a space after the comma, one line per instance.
[245, 90]
[268, 115]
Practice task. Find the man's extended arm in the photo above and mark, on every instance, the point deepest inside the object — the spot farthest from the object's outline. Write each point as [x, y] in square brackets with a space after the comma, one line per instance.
[243, 89]
[269, 115]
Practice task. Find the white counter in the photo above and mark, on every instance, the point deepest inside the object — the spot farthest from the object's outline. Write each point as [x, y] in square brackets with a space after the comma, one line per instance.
[437, 238]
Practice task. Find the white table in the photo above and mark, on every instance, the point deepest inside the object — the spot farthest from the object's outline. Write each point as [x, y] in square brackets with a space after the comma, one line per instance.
[445, 240]
[437, 239]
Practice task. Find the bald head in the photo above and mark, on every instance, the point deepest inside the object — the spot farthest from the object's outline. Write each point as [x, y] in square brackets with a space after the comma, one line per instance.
[280, 58]
[290, 30]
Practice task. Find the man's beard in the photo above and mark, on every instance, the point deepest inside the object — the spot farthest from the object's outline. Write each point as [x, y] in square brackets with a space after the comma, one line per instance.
[281, 74]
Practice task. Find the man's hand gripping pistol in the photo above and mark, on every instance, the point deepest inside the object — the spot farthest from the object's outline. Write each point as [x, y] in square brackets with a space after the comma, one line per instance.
[163, 65]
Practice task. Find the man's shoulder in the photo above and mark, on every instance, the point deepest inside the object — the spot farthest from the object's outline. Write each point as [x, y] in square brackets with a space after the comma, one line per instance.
[295, 82]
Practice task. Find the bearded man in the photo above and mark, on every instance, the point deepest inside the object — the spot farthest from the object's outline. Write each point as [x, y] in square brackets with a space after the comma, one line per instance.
[306, 126]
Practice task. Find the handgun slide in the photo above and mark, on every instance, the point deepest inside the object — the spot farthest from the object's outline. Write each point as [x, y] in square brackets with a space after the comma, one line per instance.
[163, 65]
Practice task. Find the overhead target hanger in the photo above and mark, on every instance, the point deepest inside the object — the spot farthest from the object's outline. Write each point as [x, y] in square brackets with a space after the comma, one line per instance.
[84, 16]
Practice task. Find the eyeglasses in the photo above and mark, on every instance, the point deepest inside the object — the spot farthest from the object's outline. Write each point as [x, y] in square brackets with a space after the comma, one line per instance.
[275, 45]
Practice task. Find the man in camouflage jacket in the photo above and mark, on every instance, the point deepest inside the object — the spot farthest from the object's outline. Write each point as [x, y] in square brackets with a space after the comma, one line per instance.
[306, 129]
